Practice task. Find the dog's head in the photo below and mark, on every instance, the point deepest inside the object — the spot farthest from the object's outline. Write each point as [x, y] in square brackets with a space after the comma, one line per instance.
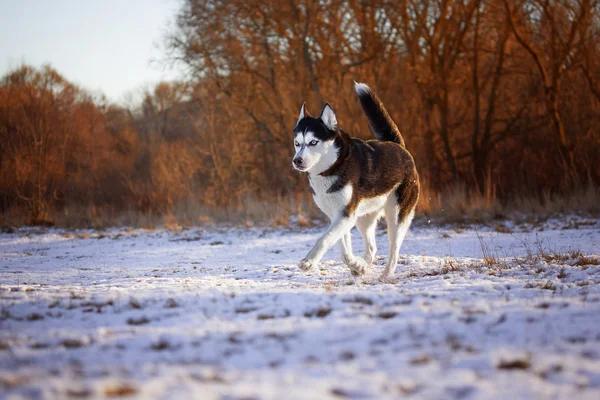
[314, 141]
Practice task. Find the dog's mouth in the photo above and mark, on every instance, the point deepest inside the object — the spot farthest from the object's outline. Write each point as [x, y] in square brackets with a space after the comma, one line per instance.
[301, 168]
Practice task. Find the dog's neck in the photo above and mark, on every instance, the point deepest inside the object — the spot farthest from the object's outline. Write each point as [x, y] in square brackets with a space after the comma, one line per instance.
[342, 146]
[325, 163]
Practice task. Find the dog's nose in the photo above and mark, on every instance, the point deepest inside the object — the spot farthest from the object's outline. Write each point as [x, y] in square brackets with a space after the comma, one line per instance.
[298, 162]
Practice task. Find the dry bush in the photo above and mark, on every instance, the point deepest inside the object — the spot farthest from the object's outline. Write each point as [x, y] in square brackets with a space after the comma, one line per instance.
[458, 204]
[578, 200]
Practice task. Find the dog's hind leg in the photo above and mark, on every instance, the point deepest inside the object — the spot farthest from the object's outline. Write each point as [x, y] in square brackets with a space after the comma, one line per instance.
[396, 232]
[366, 225]
[399, 213]
[357, 265]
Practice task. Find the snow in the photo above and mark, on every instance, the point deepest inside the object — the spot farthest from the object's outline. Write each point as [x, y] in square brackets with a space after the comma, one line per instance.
[224, 313]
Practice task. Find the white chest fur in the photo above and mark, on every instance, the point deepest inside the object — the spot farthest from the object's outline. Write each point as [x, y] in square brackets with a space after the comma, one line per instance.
[331, 204]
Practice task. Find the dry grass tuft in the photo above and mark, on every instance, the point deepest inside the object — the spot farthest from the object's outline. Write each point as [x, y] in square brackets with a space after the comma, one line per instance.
[170, 223]
[587, 260]
[583, 199]
[79, 393]
[120, 390]
[516, 363]
[459, 205]
[574, 257]
[486, 250]
[420, 360]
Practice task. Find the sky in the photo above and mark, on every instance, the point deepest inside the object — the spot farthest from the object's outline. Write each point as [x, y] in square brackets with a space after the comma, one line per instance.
[101, 45]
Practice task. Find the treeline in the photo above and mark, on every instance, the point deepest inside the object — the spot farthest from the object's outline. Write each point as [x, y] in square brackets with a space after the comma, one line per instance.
[498, 97]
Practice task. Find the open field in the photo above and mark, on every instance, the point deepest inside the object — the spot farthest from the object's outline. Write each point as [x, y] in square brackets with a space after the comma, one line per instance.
[511, 312]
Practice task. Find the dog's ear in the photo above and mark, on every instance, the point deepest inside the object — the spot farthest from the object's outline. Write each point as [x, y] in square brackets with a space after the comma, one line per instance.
[328, 117]
[303, 113]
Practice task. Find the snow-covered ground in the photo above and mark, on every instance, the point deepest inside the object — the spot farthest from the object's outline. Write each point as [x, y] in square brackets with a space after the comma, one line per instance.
[226, 314]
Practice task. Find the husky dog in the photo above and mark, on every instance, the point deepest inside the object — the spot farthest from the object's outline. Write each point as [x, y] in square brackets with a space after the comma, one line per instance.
[355, 182]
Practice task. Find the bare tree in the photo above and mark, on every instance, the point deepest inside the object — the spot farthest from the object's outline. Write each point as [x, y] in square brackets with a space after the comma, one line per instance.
[590, 32]
[434, 32]
[550, 32]
[488, 70]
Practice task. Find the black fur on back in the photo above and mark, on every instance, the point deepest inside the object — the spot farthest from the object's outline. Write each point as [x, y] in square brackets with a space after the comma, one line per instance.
[374, 168]
[380, 121]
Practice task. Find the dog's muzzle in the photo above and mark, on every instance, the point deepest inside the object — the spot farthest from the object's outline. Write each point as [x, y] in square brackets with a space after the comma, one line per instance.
[298, 163]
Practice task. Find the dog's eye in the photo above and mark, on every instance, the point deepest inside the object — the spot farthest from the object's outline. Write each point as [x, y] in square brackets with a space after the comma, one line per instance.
[296, 144]
[313, 142]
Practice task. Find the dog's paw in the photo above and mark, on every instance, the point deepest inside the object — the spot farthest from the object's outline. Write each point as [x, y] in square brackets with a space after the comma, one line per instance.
[369, 258]
[306, 265]
[385, 276]
[358, 266]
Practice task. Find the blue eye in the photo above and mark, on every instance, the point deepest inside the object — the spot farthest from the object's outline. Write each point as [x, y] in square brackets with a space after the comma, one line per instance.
[313, 142]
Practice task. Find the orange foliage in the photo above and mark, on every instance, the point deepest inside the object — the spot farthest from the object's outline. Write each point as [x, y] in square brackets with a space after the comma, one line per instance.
[490, 103]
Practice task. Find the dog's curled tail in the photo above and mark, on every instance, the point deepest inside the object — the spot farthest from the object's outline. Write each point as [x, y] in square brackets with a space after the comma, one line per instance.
[380, 121]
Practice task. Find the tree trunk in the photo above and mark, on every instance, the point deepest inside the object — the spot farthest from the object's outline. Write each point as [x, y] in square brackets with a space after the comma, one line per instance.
[566, 149]
[445, 134]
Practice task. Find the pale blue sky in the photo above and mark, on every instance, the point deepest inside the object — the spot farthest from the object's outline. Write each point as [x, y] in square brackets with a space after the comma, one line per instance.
[101, 45]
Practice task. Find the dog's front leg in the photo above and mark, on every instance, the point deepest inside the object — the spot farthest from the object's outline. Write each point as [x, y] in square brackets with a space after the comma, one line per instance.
[358, 266]
[338, 228]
